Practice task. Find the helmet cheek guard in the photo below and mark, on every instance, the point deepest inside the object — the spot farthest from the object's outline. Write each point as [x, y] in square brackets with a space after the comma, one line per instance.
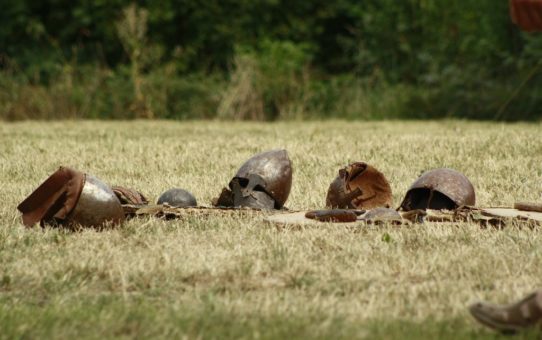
[251, 193]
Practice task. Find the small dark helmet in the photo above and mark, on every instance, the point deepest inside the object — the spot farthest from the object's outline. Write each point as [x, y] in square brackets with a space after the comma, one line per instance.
[263, 182]
[178, 198]
[439, 189]
[359, 186]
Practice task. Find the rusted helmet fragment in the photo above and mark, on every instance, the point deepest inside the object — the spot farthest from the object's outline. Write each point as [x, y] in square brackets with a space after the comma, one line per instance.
[439, 189]
[382, 215]
[178, 198]
[359, 186]
[262, 182]
[129, 196]
[73, 199]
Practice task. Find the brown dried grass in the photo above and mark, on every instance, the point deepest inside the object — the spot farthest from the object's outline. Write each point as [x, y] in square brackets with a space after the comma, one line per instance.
[230, 277]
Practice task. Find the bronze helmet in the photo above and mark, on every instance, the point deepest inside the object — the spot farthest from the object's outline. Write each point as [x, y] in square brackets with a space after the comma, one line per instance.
[359, 186]
[439, 189]
[263, 181]
[73, 199]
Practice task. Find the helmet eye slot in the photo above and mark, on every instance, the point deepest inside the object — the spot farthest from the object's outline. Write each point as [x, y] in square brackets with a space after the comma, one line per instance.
[258, 187]
[243, 182]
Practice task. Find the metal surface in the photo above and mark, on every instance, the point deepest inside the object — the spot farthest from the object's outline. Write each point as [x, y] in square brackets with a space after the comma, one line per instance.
[177, 198]
[336, 196]
[439, 189]
[275, 169]
[97, 205]
[54, 199]
[333, 215]
[528, 206]
[359, 186]
[382, 215]
[250, 192]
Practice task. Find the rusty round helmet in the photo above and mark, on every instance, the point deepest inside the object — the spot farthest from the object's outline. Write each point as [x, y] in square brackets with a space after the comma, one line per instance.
[177, 198]
[359, 186]
[263, 181]
[439, 189]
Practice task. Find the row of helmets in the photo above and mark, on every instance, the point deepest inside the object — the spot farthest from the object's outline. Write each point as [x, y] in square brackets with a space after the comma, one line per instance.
[264, 181]
[72, 198]
[75, 199]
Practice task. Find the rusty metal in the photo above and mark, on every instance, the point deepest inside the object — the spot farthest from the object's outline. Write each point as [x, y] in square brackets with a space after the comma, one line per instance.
[379, 215]
[359, 186]
[129, 196]
[54, 199]
[333, 215]
[528, 206]
[336, 196]
[177, 197]
[74, 199]
[97, 206]
[264, 182]
[439, 189]
[225, 199]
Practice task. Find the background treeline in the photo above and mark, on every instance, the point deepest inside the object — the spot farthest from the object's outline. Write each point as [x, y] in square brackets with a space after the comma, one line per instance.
[267, 59]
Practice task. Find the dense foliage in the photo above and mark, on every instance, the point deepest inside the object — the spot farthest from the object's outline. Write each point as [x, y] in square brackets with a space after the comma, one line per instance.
[268, 59]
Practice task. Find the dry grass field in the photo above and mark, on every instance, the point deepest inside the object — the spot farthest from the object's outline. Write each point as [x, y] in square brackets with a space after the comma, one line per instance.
[237, 277]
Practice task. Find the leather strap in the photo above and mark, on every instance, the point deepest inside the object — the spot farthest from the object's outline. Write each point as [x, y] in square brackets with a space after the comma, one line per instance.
[54, 198]
[129, 196]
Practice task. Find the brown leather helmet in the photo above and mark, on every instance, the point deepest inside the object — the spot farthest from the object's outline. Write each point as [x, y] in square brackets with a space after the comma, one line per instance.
[439, 189]
[263, 181]
[359, 186]
[74, 199]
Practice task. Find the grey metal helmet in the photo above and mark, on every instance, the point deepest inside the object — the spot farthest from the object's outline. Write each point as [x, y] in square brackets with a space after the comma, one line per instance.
[250, 192]
[177, 197]
[439, 189]
[264, 181]
[74, 199]
[97, 205]
[275, 169]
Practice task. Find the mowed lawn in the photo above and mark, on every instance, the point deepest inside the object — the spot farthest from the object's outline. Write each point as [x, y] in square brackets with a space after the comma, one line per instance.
[238, 277]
